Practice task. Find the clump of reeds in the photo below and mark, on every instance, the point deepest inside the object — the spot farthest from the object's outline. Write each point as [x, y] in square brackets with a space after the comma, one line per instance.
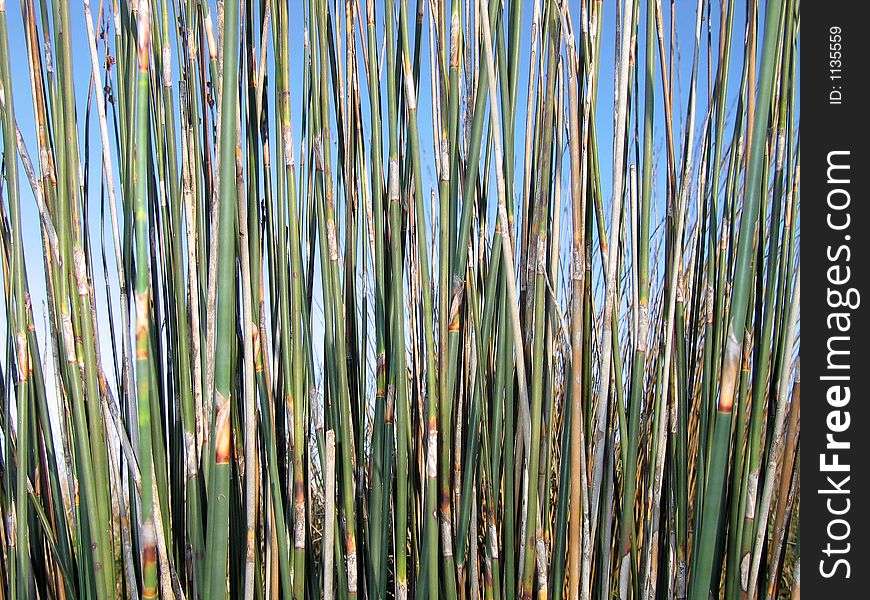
[375, 323]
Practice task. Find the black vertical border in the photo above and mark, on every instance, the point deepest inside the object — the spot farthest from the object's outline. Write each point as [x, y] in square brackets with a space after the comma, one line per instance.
[827, 127]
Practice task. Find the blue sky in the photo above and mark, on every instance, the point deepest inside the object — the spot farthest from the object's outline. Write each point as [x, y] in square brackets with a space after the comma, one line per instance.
[684, 20]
